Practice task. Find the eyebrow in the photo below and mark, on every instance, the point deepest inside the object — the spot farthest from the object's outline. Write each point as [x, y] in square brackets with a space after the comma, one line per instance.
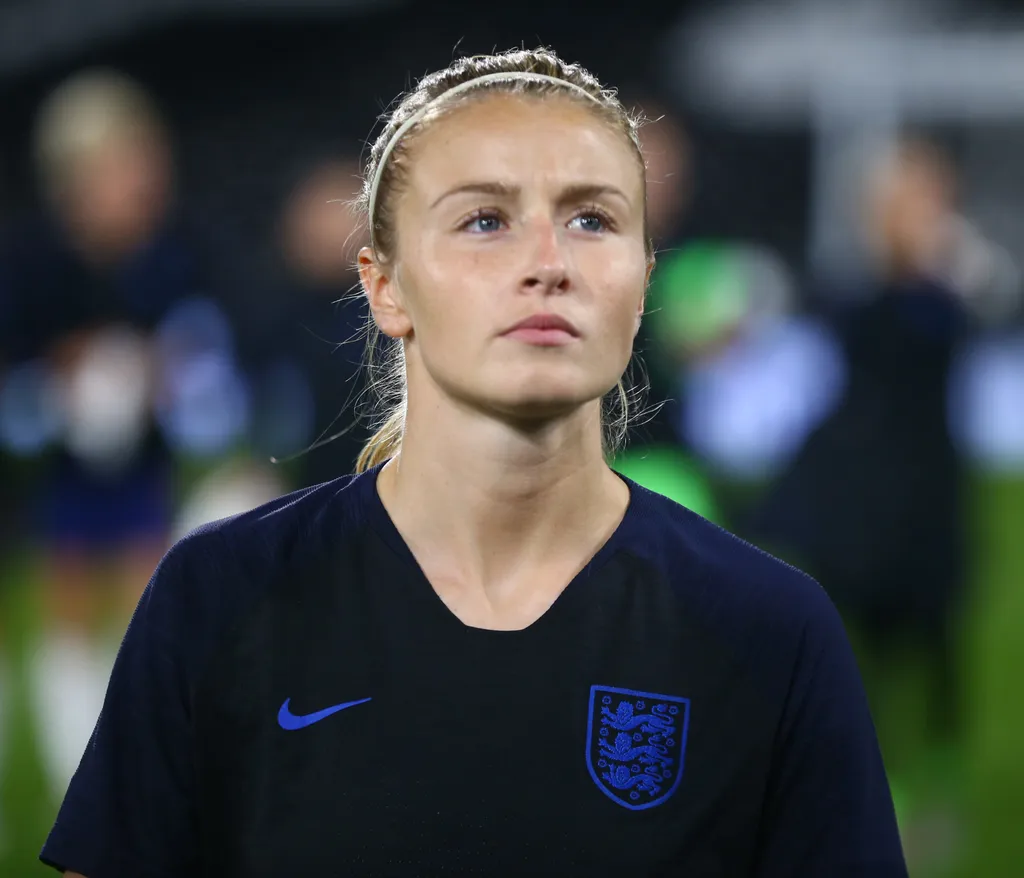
[571, 193]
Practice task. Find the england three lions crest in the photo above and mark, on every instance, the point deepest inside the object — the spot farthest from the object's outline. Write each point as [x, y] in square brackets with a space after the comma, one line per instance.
[636, 742]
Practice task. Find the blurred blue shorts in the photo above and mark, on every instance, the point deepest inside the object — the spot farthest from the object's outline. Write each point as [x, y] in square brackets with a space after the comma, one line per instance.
[83, 510]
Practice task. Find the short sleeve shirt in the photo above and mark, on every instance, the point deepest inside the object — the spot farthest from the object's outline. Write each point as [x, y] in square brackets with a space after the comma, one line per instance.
[292, 697]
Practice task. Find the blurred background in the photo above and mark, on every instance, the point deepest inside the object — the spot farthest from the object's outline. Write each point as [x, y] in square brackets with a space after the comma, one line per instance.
[835, 343]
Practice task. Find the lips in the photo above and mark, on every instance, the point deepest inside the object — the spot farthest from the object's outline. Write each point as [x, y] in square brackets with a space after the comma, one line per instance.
[545, 322]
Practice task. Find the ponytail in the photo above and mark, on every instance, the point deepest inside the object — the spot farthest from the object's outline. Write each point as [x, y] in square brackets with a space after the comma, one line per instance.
[385, 443]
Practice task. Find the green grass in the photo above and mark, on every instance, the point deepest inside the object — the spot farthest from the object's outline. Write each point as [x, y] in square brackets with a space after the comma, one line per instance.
[993, 755]
[26, 808]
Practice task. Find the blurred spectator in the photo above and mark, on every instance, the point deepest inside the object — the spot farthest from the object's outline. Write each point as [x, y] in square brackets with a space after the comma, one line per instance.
[305, 347]
[91, 282]
[744, 378]
[755, 375]
[873, 504]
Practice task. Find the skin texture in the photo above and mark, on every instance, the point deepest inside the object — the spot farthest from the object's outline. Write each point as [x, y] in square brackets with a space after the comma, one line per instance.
[514, 206]
[471, 264]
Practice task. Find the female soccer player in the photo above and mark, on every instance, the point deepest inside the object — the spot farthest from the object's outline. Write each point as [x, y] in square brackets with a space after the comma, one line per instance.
[487, 653]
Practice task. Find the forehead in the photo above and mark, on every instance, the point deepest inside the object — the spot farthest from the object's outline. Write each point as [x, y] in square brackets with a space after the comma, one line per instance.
[522, 139]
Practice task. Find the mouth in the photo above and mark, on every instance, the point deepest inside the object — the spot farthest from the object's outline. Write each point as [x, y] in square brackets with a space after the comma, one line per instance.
[543, 330]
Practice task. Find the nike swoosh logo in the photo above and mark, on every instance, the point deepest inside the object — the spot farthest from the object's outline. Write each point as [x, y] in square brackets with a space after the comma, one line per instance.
[290, 722]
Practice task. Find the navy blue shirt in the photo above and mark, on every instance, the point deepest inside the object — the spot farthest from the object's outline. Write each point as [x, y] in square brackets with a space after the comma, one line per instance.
[293, 698]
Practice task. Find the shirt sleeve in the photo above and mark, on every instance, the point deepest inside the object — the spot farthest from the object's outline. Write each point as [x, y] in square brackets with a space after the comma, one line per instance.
[130, 808]
[828, 808]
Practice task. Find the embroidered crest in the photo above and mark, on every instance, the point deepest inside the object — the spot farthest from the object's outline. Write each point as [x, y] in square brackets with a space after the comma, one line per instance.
[636, 742]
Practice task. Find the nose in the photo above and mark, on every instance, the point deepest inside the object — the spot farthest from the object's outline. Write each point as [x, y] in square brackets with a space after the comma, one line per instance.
[548, 269]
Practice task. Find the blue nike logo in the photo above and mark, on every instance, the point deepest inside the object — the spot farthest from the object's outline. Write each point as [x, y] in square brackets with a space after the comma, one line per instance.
[289, 721]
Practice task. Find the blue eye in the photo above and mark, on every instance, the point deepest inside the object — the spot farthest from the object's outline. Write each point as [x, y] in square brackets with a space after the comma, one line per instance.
[483, 224]
[590, 222]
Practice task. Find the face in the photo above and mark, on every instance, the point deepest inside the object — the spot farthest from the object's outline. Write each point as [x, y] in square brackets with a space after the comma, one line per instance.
[909, 203]
[320, 232]
[520, 270]
[119, 193]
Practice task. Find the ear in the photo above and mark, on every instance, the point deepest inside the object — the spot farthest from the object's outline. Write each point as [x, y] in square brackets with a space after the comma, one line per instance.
[383, 296]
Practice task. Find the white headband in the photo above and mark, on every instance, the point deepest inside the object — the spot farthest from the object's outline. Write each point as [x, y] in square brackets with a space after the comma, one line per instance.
[514, 76]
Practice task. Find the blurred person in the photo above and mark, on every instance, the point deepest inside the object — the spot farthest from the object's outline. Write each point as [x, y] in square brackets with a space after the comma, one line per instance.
[741, 374]
[91, 280]
[754, 374]
[873, 503]
[305, 347]
[486, 653]
[734, 371]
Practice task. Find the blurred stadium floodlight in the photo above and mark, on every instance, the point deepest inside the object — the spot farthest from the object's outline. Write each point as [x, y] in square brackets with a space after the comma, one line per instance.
[32, 31]
[855, 73]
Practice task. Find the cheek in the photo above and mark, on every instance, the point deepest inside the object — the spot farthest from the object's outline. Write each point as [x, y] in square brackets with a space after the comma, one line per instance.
[442, 303]
[622, 300]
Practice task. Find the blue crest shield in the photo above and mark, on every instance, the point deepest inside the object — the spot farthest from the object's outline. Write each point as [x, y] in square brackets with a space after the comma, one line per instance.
[636, 742]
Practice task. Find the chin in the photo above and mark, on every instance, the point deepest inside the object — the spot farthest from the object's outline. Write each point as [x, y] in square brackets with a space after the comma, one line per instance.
[535, 401]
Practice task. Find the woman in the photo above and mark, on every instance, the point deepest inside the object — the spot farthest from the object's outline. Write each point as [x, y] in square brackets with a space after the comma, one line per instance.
[96, 276]
[486, 654]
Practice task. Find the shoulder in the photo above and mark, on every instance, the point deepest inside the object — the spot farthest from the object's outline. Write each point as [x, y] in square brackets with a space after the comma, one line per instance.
[276, 529]
[287, 532]
[698, 555]
[765, 608]
[214, 575]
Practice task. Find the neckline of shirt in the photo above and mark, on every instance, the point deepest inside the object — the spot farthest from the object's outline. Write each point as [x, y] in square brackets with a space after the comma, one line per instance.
[569, 601]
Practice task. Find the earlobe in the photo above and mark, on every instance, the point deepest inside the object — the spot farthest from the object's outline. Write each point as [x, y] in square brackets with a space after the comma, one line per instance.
[382, 296]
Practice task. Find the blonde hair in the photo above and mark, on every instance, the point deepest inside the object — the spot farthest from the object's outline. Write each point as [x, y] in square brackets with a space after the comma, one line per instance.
[540, 72]
[81, 116]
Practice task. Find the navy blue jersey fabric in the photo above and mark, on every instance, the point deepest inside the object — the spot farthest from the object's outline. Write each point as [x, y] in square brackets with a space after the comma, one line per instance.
[293, 698]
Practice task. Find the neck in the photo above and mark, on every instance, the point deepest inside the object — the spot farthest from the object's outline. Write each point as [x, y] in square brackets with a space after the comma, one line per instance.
[485, 499]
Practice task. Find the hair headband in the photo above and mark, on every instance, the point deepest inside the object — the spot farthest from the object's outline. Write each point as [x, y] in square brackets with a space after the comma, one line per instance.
[514, 76]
